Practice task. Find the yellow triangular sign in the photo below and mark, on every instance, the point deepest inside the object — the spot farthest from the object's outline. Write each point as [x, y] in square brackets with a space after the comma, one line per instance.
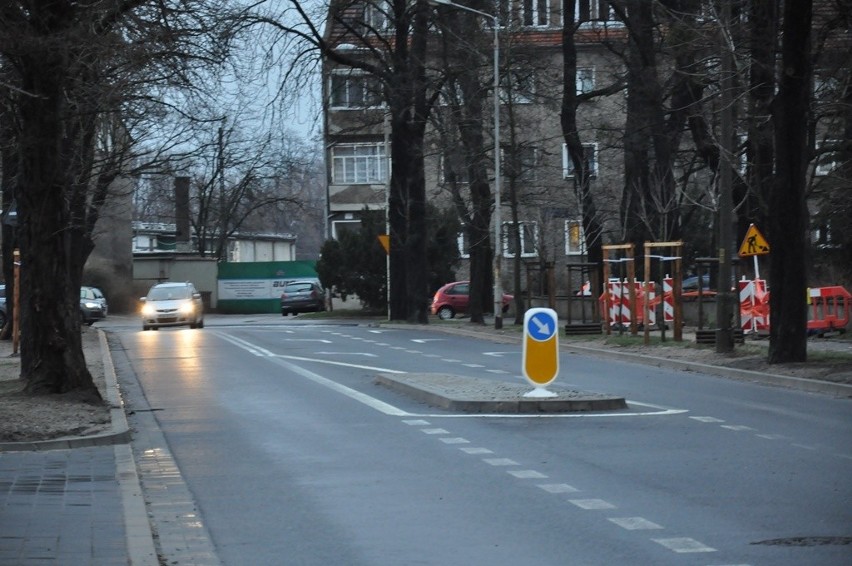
[384, 239]
[754, 243]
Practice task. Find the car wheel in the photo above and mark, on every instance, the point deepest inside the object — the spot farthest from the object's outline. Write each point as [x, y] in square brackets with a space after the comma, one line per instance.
[284, 313]
[193, 325]
[201, 323]
[446, 313]
[145, 328]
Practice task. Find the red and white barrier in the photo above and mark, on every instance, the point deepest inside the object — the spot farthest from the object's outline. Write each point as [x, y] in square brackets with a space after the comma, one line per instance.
[754, 305]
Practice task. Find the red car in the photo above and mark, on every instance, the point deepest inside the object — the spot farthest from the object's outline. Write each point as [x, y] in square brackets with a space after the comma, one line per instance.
[453, 299]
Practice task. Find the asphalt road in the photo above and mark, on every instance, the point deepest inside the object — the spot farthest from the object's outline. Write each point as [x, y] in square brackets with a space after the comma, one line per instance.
[291, 454]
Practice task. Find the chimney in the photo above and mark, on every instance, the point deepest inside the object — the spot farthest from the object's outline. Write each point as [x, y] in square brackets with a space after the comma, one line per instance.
[182, 237]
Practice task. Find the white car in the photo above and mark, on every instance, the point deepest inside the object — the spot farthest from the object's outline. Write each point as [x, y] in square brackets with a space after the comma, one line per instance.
[172, 304]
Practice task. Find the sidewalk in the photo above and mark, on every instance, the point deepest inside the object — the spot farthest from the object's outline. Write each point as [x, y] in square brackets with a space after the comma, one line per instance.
[76, 501]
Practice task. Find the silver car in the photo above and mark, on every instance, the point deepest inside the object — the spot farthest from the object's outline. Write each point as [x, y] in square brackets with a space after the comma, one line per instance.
[172, 304]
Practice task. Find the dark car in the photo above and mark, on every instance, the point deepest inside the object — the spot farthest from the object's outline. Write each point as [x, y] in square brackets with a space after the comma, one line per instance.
[172, 304]
[302, 296]
[453, 298]
[93, 305]
[3, 316]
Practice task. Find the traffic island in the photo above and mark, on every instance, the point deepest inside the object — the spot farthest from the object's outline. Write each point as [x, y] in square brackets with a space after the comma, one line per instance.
[479, 395]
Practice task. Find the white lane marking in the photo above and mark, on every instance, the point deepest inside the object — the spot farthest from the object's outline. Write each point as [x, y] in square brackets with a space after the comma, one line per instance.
[456, 440]
[435, 431]
[707, 419]
[497, 354]
[805, 446]
[771, 436]
[473, 365]
[683, 545]
[558, 488]
[382, 344]
[413, 352]
[497, 371]
[371, 402]
[431, 355]
[500, 462]
[592, 504]
[416, 422]
[476, 450]
[424, 340]
[377, 331]
[634, 523]
[322, 340]
[450, 360]
[527, 474]
[737, 428]
[262, 352]
[397, 348]
[365, 354]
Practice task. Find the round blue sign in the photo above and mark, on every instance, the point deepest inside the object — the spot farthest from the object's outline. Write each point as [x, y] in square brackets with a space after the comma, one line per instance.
[541, 326]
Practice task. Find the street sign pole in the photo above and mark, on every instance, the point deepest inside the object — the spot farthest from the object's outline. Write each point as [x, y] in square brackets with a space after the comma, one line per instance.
[541, 350]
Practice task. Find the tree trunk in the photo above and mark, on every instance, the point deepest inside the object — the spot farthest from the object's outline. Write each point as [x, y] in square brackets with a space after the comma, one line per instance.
[52, 358]
[788, 226]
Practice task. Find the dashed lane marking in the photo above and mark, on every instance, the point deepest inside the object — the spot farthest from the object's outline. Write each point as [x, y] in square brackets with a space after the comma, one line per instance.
[476, 450]
[500, 462]
[558, 488]
[527, 474]
[456, 440]
[635, 523]
[737, 428]
[683, 545]
[592, 504]
[707, 419]
[435, 431]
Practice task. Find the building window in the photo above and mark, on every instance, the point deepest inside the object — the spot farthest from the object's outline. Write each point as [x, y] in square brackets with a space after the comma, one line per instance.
[519, 84]
[521, 164]
[528, 232]
[591, 154]
[536, 12]
[353, 89]
[340, 226]
[826, 158]
[594, 11]
[585, 80]
[575, 239]
[376, 16]
[464, 246]
[358, 164]
[453, 168]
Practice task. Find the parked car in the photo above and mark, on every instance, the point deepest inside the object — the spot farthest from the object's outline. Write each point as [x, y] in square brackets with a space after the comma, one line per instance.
[453, 298]
[93, 305]
[172, 304]
[691, 283]
[302, 296]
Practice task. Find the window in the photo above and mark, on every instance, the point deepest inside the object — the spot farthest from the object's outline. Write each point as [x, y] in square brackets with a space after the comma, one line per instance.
[522, 164]
[528, 232]
[340, 226]
[575, 239]
[594, 10]
[376, 17]
[358, 164]
[585, 80]
[536, 12]
[353, 89]
[591, 155]
[453, 168]
[464, 245]
[826, 158]
[520, 84]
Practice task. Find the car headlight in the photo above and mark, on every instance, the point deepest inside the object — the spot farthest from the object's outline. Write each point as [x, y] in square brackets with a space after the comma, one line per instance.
[90, 305]
[148, 310]
[187, 307]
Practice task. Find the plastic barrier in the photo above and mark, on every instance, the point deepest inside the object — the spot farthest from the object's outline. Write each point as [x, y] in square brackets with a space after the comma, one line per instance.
[829, 310]
[620, 308]
[754, 305]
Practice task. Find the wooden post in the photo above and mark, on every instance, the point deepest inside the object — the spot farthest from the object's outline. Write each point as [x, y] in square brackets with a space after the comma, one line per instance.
[16, 301]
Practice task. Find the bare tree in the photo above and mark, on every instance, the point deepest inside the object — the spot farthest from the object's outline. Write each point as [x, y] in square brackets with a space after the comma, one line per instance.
[75, 68]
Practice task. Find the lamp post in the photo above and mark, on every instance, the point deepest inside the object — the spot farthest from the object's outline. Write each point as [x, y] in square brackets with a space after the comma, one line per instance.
[498, 242]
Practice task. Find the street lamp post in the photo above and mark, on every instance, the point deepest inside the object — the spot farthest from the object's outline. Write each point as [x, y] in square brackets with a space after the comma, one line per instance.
[498, 242]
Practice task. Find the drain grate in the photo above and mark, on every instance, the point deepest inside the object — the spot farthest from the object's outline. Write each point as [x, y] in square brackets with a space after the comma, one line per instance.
[806, 541]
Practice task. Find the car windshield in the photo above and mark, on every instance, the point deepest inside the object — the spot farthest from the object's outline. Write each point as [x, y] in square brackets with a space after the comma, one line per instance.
[168, 293]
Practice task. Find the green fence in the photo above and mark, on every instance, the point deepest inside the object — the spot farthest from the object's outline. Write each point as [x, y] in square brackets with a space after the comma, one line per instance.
[255, 287]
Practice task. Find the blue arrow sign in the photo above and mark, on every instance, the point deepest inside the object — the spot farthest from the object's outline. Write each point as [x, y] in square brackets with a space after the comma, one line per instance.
[541, 325]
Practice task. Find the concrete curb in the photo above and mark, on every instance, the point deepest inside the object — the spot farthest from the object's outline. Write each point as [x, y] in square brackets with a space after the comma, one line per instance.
[477, 395]
[798, 383]
[120, 433]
